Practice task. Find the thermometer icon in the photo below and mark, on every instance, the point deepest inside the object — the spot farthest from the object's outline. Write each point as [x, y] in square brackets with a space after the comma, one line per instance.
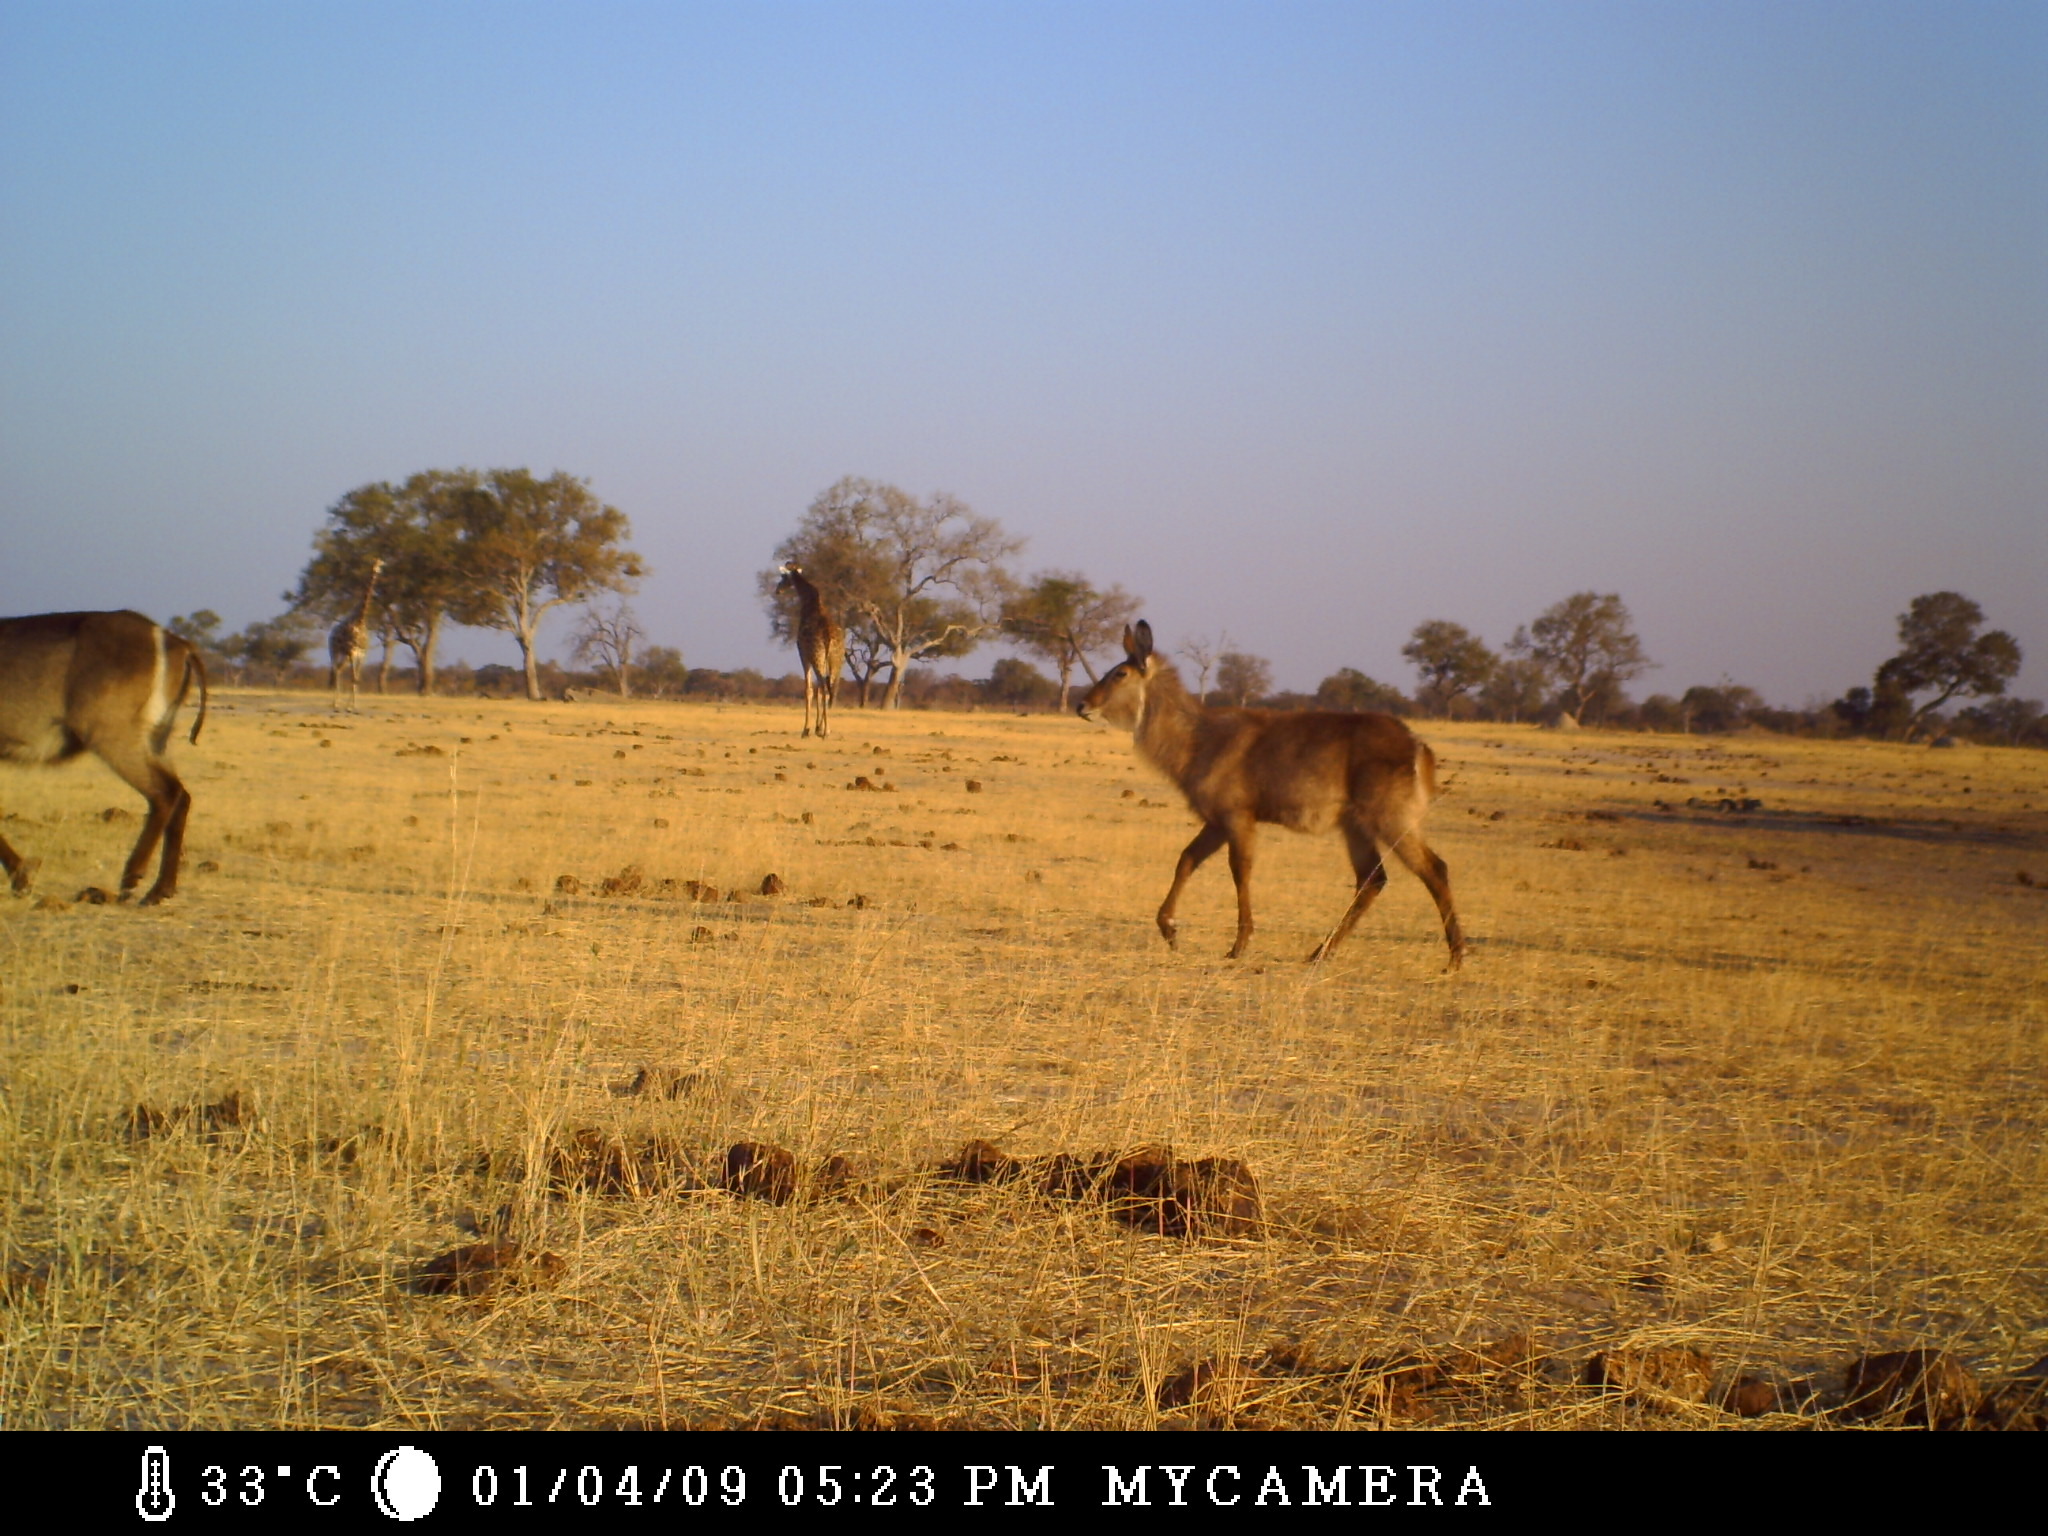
[154, 1501]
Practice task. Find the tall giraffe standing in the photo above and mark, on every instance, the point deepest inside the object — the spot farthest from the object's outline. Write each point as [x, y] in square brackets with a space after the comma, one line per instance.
[349, 642]
[820, 645]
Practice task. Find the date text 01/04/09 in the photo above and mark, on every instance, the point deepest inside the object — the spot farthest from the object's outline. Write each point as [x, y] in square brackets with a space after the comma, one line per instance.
[878, 1486]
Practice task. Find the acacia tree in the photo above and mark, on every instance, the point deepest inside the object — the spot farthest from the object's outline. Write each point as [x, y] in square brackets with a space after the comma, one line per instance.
[1588, 644]
[528, 546]
[607, 638]
[1941, 649]
[1062, 617]
[1518, 687]
[415, 529]
[1351, 691]
[269, 646]
[1449, 659]
[909, 579]
[1243, 678]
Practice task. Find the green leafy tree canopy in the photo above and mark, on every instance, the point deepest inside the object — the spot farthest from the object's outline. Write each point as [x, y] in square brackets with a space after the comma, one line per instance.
[1942, 650]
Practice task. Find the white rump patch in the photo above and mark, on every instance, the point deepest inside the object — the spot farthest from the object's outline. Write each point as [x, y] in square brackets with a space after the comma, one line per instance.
[159, 700]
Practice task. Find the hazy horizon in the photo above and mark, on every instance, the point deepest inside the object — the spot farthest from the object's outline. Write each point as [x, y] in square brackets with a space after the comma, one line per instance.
[1305, 322]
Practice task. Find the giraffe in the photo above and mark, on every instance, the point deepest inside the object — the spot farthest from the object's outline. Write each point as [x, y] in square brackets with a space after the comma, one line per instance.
[349, 642]
[820, 645]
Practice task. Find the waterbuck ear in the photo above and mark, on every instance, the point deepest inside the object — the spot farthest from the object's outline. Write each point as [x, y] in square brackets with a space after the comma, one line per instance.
[1138, 643]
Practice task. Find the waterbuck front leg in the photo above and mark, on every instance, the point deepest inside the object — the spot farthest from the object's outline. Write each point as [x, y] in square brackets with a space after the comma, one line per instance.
[1241, 833]
[20, 871]
[1206, 842]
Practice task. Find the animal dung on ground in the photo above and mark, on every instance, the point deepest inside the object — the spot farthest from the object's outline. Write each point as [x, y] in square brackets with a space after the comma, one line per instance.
[660, 1082]
[760, 1170]
[230, 1112]
[568, 885]
[1214, 1389]
[835, 1175]
[1149, 1188]
[351, 1149]
[771, 885]
[2019, 1403]
[1155, 1191]
[1651, 1375]
[21, 1282]
[1754, 1396]
[974, 786]
[481, 1268]
[626, 882]
[93, 896]
[588, 1159]
[981, 1162]
[1926, 1387]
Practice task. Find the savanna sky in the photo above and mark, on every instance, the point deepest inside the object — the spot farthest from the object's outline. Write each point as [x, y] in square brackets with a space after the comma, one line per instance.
[1307, 322]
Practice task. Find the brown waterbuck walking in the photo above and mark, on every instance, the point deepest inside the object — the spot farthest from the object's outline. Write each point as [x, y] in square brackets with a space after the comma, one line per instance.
[820, 644]
[1363, 775]
[109, 684]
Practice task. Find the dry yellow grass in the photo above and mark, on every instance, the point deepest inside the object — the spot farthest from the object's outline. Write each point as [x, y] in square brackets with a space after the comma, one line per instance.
[1766, 1086]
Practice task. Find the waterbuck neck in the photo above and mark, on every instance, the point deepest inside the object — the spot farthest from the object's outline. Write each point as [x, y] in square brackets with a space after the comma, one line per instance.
[1165, 731]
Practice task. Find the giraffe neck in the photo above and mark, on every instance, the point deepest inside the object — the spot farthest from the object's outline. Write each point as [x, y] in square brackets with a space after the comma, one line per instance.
[362, 618]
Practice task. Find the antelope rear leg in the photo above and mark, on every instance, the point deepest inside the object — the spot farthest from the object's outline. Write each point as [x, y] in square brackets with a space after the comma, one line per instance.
[1372, 879]
[1206, 842]
[1434, 873]
[169, 804]
[174, 850]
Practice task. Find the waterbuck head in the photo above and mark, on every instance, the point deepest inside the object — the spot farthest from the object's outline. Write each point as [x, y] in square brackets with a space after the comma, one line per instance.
[1119, 699]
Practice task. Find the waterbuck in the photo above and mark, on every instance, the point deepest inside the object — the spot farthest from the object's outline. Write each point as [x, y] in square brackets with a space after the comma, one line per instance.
[109, 684]
[1364, 775]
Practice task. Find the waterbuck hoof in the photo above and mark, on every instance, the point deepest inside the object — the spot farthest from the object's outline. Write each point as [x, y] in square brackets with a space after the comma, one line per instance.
[156, 898]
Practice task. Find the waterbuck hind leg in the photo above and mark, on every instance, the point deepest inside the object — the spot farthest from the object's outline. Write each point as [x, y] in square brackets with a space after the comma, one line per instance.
[169, 802]
[1433, 872]
[1371, 870]
[1206, 842]
[174, 850]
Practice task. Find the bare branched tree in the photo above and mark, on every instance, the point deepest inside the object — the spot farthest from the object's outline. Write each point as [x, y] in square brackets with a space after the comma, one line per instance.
[1202, 652]
[607, 639]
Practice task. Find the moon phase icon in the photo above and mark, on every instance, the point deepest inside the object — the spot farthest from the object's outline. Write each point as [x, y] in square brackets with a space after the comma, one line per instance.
[407, 1483]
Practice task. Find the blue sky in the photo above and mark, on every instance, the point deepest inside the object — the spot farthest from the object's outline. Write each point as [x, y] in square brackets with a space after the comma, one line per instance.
[1306, 322]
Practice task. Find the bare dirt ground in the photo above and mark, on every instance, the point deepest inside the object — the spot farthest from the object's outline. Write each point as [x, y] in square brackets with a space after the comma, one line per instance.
[1743, 1078]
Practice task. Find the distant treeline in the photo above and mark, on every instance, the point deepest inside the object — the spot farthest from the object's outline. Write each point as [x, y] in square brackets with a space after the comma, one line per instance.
[1018, 686]
[914, 582]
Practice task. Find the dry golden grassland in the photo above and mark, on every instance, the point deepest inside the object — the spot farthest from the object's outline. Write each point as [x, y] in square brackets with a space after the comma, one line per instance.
[1763, 1084]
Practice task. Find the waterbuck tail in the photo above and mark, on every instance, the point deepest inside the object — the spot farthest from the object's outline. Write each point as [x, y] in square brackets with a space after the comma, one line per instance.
[1425, 772]
[194, 664]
